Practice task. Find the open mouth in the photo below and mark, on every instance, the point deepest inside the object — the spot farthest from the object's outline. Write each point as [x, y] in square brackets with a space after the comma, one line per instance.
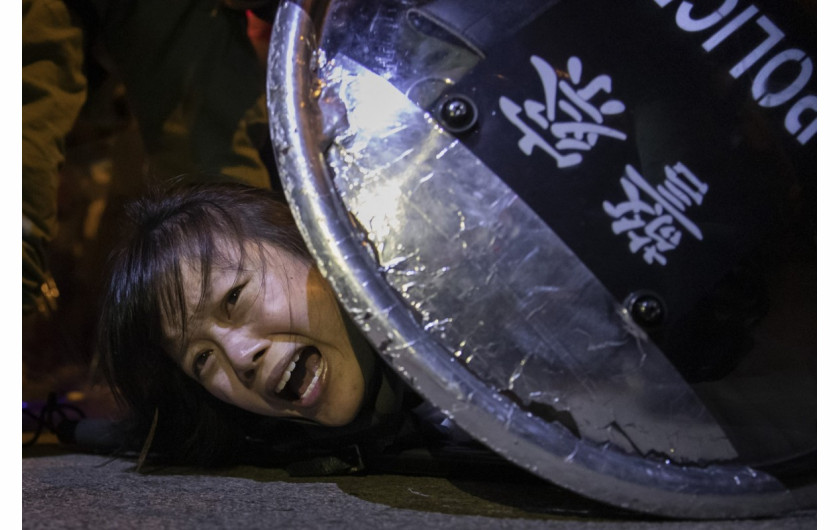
[301, 376]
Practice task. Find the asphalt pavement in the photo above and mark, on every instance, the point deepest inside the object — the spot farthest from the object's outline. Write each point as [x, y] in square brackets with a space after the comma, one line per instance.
[67, 489]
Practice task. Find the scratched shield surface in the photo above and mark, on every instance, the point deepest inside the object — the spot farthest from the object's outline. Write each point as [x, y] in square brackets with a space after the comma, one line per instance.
[479, 189]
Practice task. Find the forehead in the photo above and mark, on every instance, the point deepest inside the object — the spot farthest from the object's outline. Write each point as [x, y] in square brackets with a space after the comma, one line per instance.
[200, 275]
[201, 278]
[205, 280]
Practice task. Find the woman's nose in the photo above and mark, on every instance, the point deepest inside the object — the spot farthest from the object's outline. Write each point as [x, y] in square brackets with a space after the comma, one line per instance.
[249, 373]
[244, 354]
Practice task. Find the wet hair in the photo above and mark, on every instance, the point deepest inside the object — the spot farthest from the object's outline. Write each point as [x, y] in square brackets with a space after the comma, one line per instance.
[145, 288]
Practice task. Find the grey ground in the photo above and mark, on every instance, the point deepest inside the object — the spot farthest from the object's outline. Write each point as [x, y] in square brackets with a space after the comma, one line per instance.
[62, 489]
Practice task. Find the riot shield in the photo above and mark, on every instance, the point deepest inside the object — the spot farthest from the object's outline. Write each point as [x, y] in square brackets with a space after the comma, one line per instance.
[585, 230]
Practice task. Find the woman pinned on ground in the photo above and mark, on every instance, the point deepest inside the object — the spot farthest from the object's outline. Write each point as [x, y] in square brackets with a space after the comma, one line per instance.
[227, 344]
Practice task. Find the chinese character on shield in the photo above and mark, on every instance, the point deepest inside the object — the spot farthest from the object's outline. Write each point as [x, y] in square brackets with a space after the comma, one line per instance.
[654, 218]
[567, 111]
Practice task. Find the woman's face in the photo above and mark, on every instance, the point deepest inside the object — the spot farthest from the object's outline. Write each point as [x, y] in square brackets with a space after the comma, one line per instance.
[269, 339]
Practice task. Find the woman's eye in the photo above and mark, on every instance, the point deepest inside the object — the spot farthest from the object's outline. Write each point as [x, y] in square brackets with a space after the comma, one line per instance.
[199, 361]
[233, 297]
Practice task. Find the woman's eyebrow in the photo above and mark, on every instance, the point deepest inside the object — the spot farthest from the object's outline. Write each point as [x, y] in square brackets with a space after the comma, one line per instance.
[176, 347]
[215, 293]
[181, 340]
[181, 355]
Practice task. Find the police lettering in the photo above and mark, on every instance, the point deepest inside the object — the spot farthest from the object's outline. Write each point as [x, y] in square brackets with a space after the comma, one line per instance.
[726, 20]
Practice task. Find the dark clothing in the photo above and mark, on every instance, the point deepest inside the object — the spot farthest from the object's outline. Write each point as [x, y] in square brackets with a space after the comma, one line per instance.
[54, 91]
[193, 83]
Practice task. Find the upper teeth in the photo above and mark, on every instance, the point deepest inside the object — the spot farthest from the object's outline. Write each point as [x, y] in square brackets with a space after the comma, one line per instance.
[287, 374]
